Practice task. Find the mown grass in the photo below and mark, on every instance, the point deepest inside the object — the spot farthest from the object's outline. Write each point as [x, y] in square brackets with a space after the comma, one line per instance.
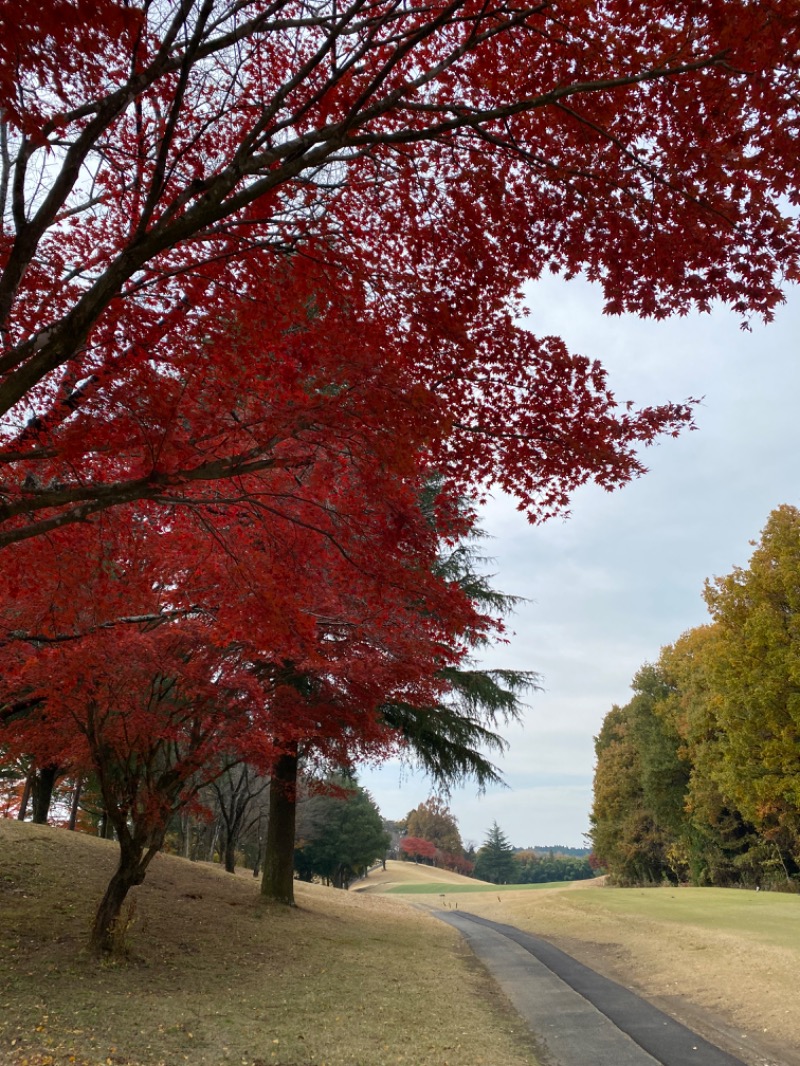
[213, 975]
[445, 888]
[760, 917]
[724, 961]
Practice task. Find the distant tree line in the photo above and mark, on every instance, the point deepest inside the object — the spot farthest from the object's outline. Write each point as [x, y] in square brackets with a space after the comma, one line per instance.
[432, 837]
[698, 777]
[497, 861]
[535, 868]
[558, 849]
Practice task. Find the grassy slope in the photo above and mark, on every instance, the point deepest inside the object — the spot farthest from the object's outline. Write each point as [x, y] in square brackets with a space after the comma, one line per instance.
[215, 976]
[402, 873]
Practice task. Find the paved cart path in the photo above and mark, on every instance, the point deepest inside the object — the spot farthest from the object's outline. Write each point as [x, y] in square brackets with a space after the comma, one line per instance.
[578, 1017]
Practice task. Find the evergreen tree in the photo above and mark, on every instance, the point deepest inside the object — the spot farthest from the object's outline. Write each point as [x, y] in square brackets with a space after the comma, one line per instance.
[449, 740]
[496, 861]
[342, 834]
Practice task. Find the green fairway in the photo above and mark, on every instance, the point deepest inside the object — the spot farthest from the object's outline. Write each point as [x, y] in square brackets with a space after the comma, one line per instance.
[432, 888]
[768, 917]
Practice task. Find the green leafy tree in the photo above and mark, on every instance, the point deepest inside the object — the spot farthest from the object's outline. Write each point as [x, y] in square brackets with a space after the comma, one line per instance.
[434, 821]
[340, 836]
[664, 774]
[699, 775]
[496, 861]
[626, 835]
[663, 802]
[754, 664]
[717, 839]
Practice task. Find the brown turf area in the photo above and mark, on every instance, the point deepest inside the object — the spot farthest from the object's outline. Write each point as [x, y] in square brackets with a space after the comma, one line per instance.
[211, 975]
[726, 962]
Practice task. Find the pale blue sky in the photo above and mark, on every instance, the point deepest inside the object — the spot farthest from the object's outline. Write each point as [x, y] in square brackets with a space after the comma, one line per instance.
[624, 574]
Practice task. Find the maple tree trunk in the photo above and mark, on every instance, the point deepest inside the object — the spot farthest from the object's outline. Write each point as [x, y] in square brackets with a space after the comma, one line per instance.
[26, 795]
[134, 858]
[278, 880]
[76, 800]
[43, 784]
[229, 854]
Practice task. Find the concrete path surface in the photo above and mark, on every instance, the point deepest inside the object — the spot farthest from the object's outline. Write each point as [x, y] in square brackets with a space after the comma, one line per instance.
[578, 1017]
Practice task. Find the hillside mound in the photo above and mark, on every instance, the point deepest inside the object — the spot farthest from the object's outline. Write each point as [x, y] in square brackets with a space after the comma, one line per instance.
[209, 974]
[405, 873]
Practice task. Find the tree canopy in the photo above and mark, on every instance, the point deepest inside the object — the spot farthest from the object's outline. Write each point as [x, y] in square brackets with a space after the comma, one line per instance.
[434, 821]
[697, 776]
[754, 671]
[340, 835]
[383, 177]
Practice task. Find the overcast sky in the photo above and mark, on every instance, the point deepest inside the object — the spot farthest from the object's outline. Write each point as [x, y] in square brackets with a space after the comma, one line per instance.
[623, 575]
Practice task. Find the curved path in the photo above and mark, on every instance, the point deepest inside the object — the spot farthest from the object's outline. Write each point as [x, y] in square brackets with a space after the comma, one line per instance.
[578, 1017]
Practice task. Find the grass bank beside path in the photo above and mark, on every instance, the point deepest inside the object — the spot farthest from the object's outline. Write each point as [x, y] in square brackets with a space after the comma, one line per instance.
[214, 976]
[721, 960]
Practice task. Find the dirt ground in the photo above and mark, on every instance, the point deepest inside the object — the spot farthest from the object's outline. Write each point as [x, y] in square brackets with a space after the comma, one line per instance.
[726, 963]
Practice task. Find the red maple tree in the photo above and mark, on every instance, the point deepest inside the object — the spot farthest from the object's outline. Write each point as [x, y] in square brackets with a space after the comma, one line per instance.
[459, 864]
[168, 170]
[105, 671]
[260, 268]
[417, 848]
[135, 649]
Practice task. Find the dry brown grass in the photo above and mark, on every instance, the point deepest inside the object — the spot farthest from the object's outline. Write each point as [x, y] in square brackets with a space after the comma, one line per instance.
[215, 976]
[404, 873]
[724, 961]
